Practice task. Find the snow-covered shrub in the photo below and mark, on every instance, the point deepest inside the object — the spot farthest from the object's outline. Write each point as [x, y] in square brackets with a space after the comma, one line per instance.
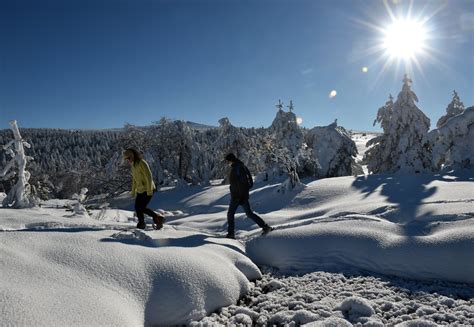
[453, 142]
[455, 107]
[20, 195]
[334, 150]
[403, 146]
[78, 207]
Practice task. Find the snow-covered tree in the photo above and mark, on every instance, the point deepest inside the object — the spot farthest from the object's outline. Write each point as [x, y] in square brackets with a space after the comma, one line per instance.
[453, 142]
[334, 150]
[176, 153]
[230, 139]
[285, 153]
[403, 146]
[286, 131]
[19, 195]
[78, 207]
[455, 107]
[379, 156]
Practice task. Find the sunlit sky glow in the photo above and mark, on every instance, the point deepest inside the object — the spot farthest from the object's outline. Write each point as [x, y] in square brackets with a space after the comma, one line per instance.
[103, 63]
[405, 39]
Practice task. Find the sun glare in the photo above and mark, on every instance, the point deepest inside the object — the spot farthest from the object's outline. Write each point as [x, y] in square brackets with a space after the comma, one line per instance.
[404, 39]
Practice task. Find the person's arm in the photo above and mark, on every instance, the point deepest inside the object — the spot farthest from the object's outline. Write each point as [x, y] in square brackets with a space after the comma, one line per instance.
[249, 176]
[148, 178]
[134, 186]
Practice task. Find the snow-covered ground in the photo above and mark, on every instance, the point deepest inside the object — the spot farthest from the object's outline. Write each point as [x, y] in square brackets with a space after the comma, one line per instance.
[361, 139]
[367, 250]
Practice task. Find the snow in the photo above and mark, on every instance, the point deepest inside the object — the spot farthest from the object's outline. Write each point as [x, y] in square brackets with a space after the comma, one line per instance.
[95, 274]
[356, 306]
[371, 244]
[392, 299]
[368, 250]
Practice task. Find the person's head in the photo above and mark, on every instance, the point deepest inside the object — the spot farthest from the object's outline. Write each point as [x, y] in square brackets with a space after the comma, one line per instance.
[230, 158]
[131, 156]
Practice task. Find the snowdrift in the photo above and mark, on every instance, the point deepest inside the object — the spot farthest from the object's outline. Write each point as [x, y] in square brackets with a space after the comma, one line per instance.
[444, 252]
[88, 276]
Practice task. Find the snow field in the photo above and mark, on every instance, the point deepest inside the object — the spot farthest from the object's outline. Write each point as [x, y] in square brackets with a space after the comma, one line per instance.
[64, 269]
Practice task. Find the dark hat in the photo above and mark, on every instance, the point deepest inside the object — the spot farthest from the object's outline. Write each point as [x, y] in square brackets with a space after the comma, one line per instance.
[230, 157]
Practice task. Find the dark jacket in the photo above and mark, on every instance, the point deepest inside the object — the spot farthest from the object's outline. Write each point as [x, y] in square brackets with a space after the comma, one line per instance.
[240, 181]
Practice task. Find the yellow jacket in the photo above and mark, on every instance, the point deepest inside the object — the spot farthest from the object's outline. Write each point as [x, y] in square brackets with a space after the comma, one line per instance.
[142, 179]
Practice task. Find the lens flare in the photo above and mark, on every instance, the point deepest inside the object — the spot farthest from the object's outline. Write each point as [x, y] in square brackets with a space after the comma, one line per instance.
[332, 94]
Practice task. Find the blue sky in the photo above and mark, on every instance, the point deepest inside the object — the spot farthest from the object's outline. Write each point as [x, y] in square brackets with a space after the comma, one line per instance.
[100, 64]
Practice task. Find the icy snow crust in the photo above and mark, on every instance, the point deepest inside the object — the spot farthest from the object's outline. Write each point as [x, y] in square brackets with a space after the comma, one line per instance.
[64, 269]
[338, 300]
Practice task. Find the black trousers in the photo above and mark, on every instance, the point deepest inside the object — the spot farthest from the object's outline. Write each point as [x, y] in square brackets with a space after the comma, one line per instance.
[141, 203]
[234, 204]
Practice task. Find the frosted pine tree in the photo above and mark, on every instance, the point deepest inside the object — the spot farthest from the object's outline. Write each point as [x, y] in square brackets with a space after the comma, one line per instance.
[285, 152]
[377, 155]
[453, 142]
[455, 107]
[334, 150]
[404, 144]
[286, 131]
[20, 194]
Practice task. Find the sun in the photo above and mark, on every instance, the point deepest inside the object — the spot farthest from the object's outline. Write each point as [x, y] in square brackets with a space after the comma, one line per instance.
[405, 39]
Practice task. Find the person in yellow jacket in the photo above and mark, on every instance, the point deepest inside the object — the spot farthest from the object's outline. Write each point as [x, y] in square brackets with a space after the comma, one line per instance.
[143, 188]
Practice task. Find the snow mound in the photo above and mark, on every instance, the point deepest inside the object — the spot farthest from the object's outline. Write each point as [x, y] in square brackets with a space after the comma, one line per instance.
[356, 306]
[330, 322]
[443, 251]
[417, 323]
[87, 276]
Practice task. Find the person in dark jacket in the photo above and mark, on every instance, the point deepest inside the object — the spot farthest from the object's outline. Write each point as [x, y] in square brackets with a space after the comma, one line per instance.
[240, 184]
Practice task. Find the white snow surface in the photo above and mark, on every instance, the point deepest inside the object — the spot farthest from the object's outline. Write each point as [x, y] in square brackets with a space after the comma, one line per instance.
[62, 269]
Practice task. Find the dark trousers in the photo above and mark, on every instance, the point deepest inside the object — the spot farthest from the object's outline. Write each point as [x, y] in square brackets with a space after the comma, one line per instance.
[234, 203]
[141, 202]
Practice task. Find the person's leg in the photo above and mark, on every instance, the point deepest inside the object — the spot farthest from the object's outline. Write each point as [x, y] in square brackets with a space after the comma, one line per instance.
[147, 210]
[259, 221]
[140, 204]
[157, 219]
[234, 203]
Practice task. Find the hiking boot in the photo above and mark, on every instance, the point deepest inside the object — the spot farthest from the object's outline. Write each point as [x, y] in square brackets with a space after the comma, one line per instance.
[267, 229]
[141, 225]
[230, 235]
[158, 221]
